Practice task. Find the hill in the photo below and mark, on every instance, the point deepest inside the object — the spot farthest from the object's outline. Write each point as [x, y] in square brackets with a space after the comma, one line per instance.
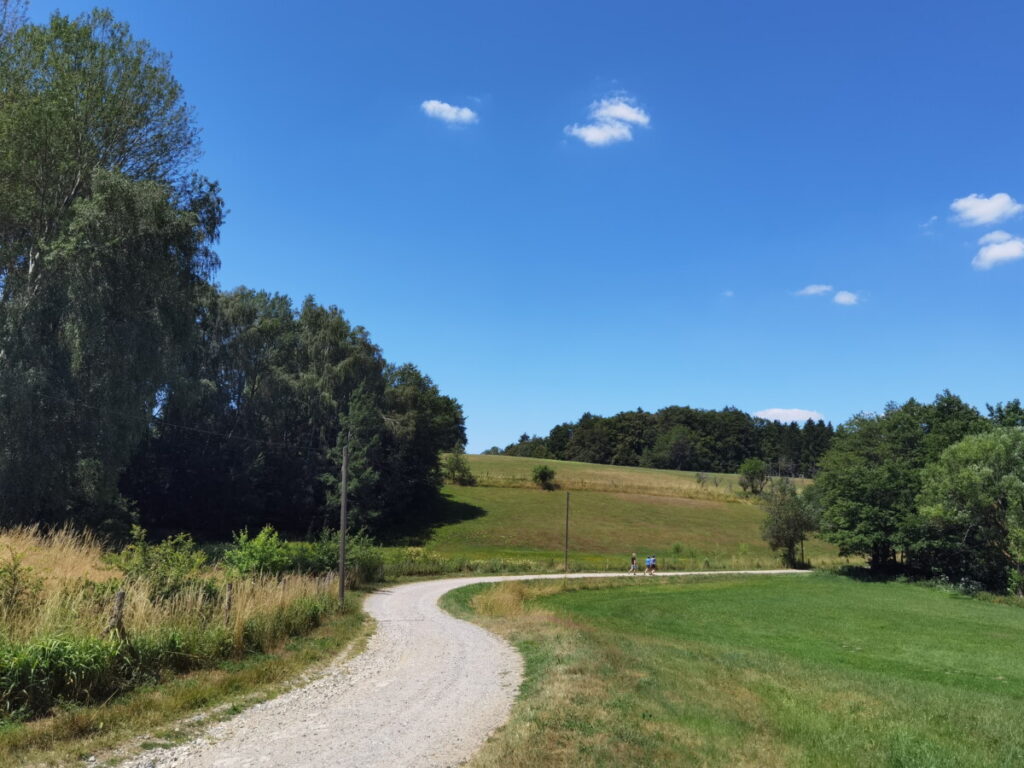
[688, 524]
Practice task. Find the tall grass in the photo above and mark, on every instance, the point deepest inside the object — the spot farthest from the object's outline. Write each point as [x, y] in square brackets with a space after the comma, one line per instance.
[53, 645]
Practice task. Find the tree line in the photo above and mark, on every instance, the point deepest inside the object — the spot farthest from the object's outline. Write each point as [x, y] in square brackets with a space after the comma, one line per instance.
[933, 490]
[682, 438]
[133, 389]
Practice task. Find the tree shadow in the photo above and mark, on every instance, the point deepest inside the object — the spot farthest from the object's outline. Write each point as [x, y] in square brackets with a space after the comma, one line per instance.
[444, 511]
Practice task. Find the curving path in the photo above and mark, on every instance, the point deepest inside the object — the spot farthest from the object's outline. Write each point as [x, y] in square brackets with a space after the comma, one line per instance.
[427, 691]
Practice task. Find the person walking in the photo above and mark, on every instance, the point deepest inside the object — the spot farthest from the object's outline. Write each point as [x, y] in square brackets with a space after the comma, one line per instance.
[647, 566]
[654, 564]
[632, 565]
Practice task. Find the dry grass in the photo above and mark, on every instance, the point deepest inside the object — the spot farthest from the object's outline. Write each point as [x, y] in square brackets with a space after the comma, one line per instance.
[78, 590]
[517, 472]
[55, 643]
[61, 556]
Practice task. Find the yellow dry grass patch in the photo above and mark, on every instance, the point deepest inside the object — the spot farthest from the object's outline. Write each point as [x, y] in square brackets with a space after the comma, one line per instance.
[59, 556]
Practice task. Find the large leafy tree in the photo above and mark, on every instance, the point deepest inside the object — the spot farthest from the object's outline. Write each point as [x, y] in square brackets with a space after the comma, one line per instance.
[975, 491]
[871, 475]
[105, 239]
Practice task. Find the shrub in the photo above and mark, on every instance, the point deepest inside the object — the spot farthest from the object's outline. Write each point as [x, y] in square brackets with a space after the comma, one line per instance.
[456, 469]
[753, 475]
[544, 477]
[264, 553]
[168, 567]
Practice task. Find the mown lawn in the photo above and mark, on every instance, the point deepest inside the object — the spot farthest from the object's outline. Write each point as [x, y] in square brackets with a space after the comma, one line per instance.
[813, 670]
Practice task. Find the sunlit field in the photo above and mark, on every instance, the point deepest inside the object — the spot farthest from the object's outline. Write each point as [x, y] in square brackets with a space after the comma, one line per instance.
[805, 670]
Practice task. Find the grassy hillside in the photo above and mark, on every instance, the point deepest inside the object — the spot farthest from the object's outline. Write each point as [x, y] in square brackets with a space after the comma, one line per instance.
[516, 472]
[767, 671]
[614, 511]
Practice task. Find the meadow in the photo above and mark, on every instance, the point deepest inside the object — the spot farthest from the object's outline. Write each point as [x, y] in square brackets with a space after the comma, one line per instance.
[614, 511]
[804, 670]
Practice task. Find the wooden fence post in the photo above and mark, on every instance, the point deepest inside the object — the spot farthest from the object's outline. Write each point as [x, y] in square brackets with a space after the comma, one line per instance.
[116, 625]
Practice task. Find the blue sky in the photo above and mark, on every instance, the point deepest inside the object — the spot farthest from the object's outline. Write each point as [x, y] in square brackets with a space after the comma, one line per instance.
[763, 148]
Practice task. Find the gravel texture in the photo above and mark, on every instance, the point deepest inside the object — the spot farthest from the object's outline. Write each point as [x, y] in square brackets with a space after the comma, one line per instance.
[427, 692]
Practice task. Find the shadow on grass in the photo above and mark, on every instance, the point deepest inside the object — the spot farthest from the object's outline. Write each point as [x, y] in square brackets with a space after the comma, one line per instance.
[445, 511]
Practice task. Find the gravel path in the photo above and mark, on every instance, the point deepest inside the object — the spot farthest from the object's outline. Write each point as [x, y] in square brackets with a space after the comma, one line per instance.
[427, 691]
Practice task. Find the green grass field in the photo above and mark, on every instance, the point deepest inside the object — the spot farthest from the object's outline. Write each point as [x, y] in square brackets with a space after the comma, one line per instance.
[814, 670]
[614, 511]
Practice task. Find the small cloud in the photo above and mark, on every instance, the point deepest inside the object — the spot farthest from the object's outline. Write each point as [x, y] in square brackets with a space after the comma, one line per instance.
[449, 113]
[928, 223]
[619, 109]
[974, 210]
[728, 294]
[996, 248]
[846, 298]
[814, 290]
[612, 120]
[787, 415]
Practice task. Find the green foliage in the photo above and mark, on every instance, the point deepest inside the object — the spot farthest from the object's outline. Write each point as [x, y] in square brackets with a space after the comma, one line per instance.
[264, 553]
[268, 554]
[753, 475]
[975, 492]
[682, 438]
[871, 476]
[544, 477]
[456, 469]
[290, 387]
[788, 520]
[131, 389]
[168, 567]
[38, 675]
[104, 237]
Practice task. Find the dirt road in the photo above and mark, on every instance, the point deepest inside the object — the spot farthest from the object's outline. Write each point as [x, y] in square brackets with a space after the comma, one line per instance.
[426, 692]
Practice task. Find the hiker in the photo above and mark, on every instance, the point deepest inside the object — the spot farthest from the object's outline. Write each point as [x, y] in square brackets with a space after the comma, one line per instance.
[632, 565]
[647, 566]
[654, 564]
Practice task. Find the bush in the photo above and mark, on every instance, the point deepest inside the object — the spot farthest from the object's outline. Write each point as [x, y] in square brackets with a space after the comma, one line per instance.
[544, 477]
[268, 554]
[265, 553]
[168, 567]
[364, 560]
[753, 475]
[456, 469]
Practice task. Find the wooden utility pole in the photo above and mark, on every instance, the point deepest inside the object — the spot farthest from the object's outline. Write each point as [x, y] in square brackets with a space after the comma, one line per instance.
[344, 522]
[567, 532]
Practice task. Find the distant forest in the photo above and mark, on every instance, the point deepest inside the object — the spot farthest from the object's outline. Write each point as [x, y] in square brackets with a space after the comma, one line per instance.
[679, 437]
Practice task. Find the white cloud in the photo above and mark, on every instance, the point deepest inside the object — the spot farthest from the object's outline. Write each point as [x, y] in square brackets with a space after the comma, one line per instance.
[814, 290]
[846, 298]
[974, 209]
[786, 415]
[449, 113]
[619, 109]
[612, 120]
[728, 294]
[996, 248]
[999, 236]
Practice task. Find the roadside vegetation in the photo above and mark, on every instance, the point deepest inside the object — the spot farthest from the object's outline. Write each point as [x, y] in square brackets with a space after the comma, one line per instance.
[80, 625]
[805, 670]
